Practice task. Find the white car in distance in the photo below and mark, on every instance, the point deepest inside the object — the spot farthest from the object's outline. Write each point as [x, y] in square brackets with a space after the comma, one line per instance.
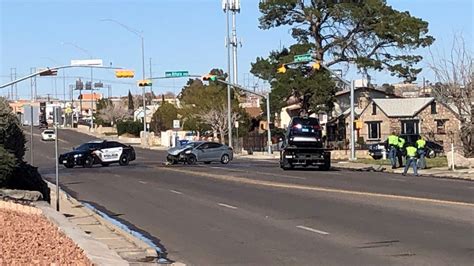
[48, 134]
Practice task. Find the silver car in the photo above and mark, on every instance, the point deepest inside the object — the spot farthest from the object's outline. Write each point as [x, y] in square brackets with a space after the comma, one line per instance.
[200, 151]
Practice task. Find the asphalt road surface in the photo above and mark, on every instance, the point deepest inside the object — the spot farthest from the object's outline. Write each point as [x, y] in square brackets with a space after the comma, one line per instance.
[250, 212]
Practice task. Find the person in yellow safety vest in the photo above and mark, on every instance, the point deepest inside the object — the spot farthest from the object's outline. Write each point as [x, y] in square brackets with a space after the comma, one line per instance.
[411, 159]
[392, 149]
[401, 146]
[420, 145]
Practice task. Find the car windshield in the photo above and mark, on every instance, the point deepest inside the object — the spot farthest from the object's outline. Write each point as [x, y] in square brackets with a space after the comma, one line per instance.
[88, 146]
[48, 132]
[192, 144]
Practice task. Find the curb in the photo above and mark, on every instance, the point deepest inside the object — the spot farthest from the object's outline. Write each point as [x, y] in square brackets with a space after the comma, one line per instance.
[135, 237]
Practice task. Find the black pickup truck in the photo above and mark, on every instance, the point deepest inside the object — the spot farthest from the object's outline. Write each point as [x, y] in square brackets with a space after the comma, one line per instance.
[303, 145]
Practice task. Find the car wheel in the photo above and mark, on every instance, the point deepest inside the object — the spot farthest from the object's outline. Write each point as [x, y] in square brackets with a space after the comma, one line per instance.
[123, 160]
[191, 159]
[88, 162]
[171, 160]
[105, 164]
[225, 159]
[69, 165]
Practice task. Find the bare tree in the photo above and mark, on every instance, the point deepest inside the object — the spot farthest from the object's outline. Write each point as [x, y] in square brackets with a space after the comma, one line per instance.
[217, 119]
[454, 73]
[114, 112]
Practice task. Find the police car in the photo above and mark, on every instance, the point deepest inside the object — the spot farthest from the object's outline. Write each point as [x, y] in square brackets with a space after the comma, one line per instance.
[98, 152]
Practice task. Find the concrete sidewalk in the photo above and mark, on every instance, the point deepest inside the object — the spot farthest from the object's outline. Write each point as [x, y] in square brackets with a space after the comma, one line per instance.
[119, 245]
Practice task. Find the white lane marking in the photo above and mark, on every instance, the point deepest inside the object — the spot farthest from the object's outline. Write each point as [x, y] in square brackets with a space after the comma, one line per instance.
[312, 230]
[176, 192]
[143, 182]
[227, 206]
[260, 173]
[396, 179]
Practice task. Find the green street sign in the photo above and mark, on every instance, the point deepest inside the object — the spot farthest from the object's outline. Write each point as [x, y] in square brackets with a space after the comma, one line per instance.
[302, 58]
[176, 74]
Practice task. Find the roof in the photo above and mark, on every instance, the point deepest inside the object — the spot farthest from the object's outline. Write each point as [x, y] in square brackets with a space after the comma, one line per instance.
[399, 107]
[339, 93]
[253, 111]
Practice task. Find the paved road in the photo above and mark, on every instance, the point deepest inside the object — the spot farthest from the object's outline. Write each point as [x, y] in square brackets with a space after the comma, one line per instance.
[251, 212]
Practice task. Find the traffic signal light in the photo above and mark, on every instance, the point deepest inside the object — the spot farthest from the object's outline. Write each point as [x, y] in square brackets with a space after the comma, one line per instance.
[281, 69]
[316, 65]
[124, 73]
[209, 77]
[48, 72]
[144, 83]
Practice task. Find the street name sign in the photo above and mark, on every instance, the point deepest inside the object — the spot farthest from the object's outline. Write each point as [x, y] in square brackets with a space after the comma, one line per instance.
[87, 62]
[302, 58]
[176, 74]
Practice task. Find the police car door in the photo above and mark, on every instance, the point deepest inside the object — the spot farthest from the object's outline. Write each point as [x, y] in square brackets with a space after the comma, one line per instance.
[111, 152]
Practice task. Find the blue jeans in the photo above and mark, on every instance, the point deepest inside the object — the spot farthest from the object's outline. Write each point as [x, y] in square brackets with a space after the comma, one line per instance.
[410, 161]
[422, 160]
[392, 154]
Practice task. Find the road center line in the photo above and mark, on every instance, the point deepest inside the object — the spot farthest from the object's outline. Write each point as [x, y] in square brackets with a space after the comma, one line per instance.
[143, 182]
[227, 206]
[312, 230]
[176, 192]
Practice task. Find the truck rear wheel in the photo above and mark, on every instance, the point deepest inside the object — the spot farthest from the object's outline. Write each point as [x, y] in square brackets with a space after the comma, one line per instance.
[327, 163]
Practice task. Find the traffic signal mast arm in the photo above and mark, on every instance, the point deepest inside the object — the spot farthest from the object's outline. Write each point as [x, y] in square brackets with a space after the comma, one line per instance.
[315, 65]
[46, 70]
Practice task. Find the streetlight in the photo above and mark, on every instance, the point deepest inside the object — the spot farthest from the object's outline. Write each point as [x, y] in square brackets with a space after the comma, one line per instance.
[92, 81]
[140, 35]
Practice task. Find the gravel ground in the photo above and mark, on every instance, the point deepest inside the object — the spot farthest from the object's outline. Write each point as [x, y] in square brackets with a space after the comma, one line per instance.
[32, 239]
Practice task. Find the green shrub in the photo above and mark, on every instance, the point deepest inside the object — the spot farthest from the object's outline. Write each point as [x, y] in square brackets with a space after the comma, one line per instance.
[11, 134]
[26, 177]
[7, 165]
[130, 127]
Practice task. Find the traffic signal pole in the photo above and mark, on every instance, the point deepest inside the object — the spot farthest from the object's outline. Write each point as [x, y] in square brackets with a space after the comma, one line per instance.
[52, 69]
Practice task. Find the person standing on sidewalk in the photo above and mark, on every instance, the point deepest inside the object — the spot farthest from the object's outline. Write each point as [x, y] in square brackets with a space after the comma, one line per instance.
[420, 145]
[400, 150]
[411, 159]
[392, 149]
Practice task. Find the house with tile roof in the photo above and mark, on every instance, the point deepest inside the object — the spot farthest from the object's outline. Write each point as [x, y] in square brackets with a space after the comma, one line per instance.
[409, 116]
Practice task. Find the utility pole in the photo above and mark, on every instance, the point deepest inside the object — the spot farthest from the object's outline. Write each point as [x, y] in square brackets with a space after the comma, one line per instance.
[234, 7]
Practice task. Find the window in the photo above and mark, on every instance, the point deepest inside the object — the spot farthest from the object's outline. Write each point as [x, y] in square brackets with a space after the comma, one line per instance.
[374, 109]
[433, 108]
[374, 130]
[214, 145]
[441, 126]
[410, 127]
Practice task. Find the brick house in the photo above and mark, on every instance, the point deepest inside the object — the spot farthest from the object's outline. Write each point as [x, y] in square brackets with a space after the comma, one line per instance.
[425, 116]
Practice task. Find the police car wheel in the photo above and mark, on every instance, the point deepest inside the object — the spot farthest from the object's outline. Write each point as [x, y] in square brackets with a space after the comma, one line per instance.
[69, 165]
[123, 160]
[88, 162]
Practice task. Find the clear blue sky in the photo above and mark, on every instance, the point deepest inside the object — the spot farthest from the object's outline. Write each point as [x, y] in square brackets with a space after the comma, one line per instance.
[179, 35]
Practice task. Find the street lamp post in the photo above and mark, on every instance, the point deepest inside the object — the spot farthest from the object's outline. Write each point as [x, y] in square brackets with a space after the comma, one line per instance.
[140, 35]
[92, 80]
